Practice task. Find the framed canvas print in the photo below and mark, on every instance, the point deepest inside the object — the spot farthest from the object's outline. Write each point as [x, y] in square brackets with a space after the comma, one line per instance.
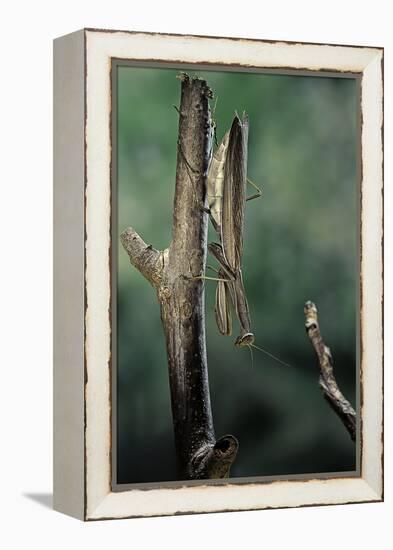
[218, 340]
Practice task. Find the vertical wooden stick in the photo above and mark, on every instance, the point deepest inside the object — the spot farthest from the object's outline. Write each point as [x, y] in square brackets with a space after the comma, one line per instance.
[181, 296]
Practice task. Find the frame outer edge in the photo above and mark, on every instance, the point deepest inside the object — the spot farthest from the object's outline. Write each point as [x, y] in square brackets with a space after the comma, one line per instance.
[68, 288]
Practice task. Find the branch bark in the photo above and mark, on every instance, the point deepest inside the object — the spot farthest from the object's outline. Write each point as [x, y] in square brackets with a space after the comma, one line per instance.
[327, 381]
[181, 297]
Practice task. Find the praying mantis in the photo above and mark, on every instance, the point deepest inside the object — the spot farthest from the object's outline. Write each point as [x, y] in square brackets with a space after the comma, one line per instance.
[226, 197]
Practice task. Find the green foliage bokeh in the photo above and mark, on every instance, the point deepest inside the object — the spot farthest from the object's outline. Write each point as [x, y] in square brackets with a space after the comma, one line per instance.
[300, 244]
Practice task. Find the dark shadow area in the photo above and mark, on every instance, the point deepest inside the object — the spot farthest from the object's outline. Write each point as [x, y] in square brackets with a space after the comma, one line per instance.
[45, 499]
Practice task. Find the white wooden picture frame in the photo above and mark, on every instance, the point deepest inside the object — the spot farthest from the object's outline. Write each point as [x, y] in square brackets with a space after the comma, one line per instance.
[82, 256]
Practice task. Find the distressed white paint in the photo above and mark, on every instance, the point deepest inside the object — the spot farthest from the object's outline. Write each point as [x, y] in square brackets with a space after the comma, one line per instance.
[228, 51]
[97, 278]
[371, 271]
[101, 46]
[233, 497]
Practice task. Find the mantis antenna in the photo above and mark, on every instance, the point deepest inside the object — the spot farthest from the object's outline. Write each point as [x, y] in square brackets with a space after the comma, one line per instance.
[271, 355]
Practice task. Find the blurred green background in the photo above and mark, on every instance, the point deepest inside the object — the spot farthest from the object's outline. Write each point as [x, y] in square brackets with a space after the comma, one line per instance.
[300, 244]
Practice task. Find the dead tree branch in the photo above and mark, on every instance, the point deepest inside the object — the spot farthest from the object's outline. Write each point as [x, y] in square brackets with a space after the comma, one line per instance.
[181, 297]
[327, 381]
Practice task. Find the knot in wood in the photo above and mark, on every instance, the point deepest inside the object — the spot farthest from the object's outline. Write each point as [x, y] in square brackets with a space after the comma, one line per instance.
[196, 262]
[186, 309]
[164, 293]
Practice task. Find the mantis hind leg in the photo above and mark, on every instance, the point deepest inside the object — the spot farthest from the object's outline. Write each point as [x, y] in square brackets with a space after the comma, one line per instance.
[204, 277]
[258, 191]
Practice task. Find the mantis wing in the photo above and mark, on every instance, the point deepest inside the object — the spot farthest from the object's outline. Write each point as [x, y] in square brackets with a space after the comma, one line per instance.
[234, 193]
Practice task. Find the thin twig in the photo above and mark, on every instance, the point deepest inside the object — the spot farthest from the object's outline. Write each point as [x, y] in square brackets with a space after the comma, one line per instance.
[327, 381]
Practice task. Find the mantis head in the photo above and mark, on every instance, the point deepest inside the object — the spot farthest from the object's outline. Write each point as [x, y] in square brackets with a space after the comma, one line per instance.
[246, 339]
